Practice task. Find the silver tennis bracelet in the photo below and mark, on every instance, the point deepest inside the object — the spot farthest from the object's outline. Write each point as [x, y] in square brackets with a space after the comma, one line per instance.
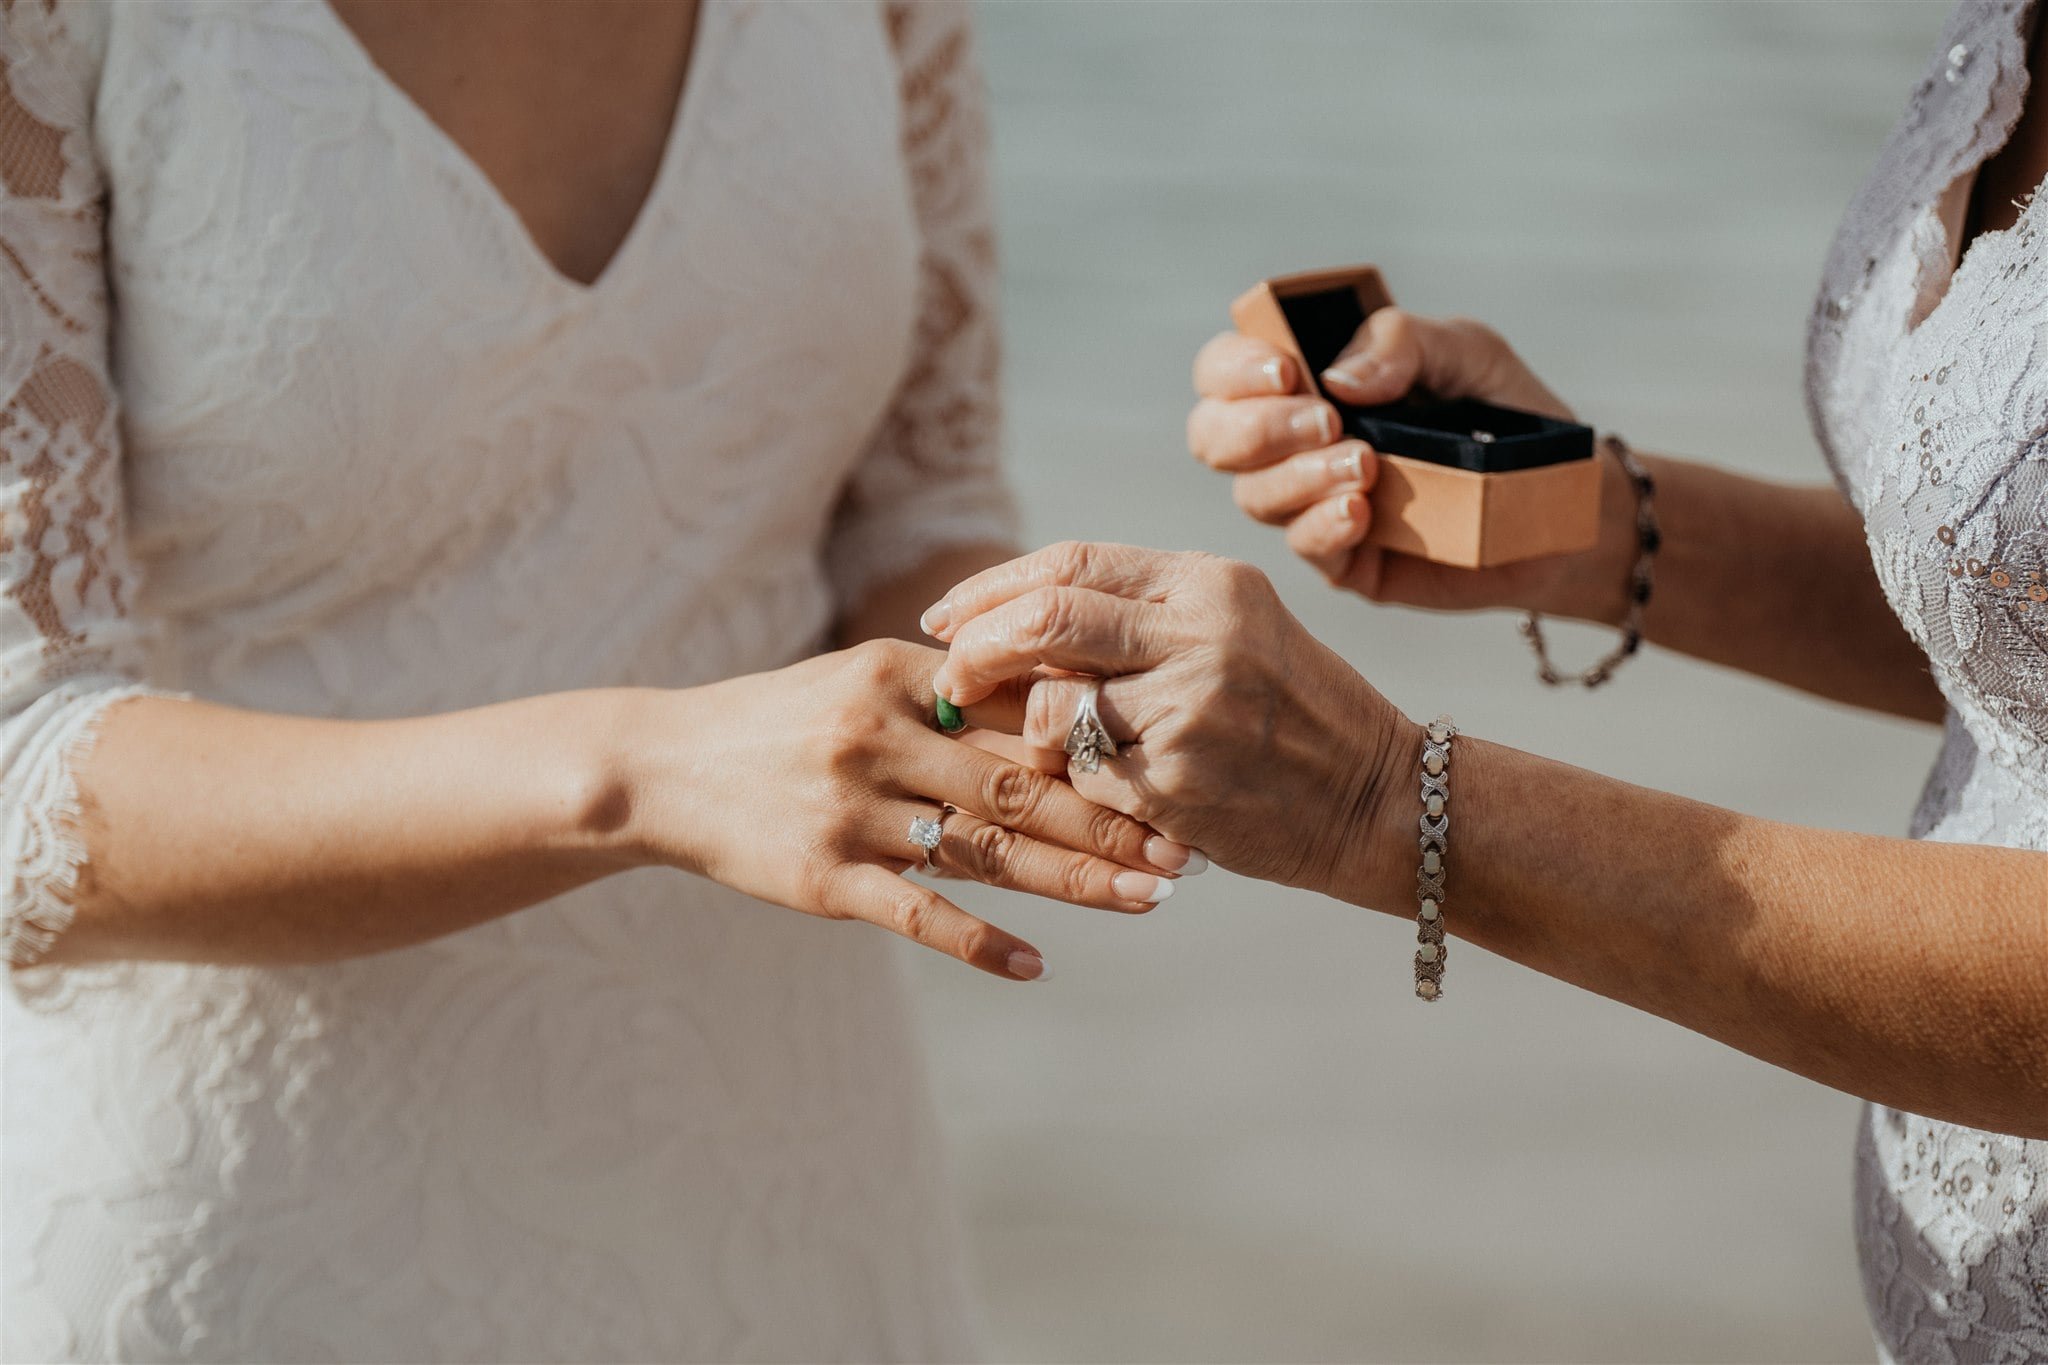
[1429, 877]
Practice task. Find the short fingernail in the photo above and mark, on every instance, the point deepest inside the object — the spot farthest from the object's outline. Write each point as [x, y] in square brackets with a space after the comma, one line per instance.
[936, 617]
[1318, 424]
[1349, 465]
[1164, 854]
[1028, 966]
[1353, 510]
[1141, 886]
[1358, 378]
[1275, 371]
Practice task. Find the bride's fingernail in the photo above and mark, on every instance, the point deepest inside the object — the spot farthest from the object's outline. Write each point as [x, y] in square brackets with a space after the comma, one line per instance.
[1275, 371]
[936, 617]
[1141, 886]
[1028, 966]
[1164, 854]
[1349, 467]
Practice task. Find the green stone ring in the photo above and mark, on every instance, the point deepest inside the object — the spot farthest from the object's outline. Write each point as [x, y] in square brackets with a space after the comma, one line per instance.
[950, 719]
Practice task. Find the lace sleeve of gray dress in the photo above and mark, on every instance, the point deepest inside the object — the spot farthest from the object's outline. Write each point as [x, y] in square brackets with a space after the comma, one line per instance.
[70, 642]
[932, 475]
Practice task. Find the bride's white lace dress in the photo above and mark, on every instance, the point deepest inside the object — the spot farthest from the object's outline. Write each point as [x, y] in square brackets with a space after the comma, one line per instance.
[1929, 387]
[295, 416]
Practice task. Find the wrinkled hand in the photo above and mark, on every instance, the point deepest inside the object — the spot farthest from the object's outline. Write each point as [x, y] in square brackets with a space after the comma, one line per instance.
[799, 786]
[1259, 420]
[1239, 732]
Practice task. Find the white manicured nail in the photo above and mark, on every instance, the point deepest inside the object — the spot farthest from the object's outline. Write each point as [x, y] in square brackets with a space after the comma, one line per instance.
[1141, 886]
[1164, 854]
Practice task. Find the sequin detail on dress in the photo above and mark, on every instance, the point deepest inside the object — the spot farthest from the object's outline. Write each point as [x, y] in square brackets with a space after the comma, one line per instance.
[1929, 392]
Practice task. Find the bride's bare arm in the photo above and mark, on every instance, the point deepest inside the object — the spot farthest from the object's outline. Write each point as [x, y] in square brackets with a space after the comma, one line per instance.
[234, 836]
[1910, 973]
[1767, 578]
[221, 835]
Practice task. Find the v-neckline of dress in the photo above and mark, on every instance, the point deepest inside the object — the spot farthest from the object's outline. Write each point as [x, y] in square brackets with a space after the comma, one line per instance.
[468, 171]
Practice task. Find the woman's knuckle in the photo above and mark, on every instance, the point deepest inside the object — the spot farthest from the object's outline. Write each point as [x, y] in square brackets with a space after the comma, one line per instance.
[990, 848]
[1068, 559]
[1145, 804]
[976, 943]
[872, 660]
[1241, 583]
[1047, 615]
[1012, 793]
[911, 912]
[1075, 880]
[1110, 832]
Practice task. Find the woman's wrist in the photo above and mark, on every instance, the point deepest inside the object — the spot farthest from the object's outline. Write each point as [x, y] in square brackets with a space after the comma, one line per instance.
[599, 774]
[1376, 832]
[1594, 587]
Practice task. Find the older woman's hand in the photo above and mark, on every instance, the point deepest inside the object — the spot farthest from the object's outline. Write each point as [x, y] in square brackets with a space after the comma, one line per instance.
[1259, 420]
[1239, 732]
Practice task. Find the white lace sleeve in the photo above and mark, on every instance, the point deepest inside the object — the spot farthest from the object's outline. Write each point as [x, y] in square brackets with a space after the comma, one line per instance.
[933, 476]
[69, 645]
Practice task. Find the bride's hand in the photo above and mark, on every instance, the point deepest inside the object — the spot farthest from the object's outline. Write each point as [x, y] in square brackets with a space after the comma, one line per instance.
[799, 786]
[1259, 420]
[1240, 733]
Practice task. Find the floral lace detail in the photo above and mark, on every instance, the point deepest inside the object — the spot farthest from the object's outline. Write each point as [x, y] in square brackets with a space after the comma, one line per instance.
[1929, 390]
[932, 475]
[1952, 1227]
[44, 836]
[66, 582]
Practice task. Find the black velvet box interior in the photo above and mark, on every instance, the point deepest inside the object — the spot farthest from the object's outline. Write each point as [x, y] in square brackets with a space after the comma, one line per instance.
[1461, 432]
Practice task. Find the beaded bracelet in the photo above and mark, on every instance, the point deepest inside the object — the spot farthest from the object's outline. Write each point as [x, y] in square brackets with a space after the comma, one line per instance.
[1429, 877]
[1648, 539]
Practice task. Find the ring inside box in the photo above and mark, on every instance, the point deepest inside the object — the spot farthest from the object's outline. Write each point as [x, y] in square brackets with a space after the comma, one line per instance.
[1463, 433]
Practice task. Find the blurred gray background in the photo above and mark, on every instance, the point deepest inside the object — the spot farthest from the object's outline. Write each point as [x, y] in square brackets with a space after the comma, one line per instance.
[1227, 1131]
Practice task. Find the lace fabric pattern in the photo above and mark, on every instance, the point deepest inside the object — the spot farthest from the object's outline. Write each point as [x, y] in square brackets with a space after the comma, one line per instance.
[69, 641]
[1930, 396]
[369, 455]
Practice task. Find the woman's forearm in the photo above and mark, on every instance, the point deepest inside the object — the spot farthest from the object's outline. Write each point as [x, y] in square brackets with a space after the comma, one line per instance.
[1770, 579]
[222, 835]
[1914, 974]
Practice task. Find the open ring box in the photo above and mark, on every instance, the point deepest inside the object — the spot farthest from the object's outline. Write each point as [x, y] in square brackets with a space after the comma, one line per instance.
[1460, 481]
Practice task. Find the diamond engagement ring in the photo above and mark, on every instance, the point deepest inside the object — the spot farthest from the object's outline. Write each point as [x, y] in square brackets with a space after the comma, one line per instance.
[1088, 741]
[927, 831]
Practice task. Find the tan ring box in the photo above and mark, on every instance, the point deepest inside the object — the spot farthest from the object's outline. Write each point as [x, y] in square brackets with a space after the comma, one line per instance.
[1437, 511]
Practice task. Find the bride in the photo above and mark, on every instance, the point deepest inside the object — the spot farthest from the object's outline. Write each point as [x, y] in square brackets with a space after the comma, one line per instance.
[436, 444]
